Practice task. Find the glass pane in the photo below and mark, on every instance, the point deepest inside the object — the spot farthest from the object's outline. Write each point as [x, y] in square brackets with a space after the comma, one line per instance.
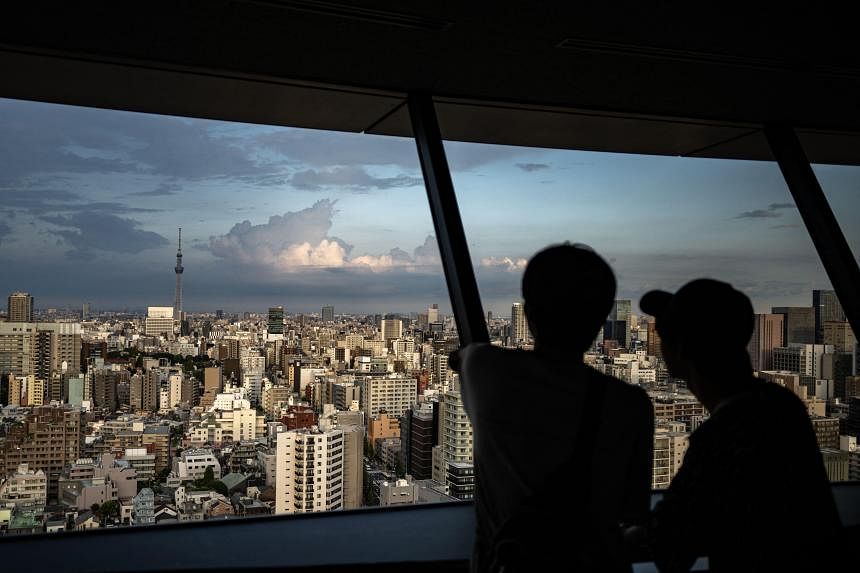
[297, 365]
[661, 222]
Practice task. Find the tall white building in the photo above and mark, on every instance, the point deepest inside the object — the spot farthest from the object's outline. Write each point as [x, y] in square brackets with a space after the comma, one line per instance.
[174, 383]
[519, 325]
[433, 314]
[393, 394]
[309, 476]
[438, 369]
[670, 445]
[453, 457]
[159, 321]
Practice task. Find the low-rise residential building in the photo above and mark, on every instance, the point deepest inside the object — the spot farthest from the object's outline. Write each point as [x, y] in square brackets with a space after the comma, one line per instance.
[24, 487]
[192, 464]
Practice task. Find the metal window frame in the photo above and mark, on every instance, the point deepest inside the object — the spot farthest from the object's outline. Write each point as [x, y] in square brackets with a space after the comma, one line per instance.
[833, 250]
[459, 273]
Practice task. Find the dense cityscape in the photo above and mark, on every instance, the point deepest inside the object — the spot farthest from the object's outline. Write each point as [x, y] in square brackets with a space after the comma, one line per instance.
[114, 419]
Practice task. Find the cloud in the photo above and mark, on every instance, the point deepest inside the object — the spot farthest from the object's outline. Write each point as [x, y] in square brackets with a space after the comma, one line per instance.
[427, 255]
[771, 212]
[793, 226]
[504, 263]
[162, 190]
[278, 241]
[299, 240]
[5, 230]
[39, 139]
[351, 177]
[530, 167]
[758, 214]
[103, 232]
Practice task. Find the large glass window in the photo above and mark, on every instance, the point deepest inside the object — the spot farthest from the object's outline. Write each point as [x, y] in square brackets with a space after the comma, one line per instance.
[306, 307]
[661, 222]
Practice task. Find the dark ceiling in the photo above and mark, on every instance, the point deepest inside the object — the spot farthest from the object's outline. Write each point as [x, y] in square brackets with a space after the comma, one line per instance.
[667, 78]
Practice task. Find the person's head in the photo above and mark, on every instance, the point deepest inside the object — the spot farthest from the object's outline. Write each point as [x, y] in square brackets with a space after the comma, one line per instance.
[704, 317]
[568, 292]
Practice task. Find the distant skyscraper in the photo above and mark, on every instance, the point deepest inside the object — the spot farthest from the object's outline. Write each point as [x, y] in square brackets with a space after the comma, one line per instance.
[177, 301]
[433, 314]
[20, 307]
[618, 326]
[85, 311]
[392, 328]
[276, 320]
[827, 309]
[519, 325]
[328, 313]
[767, 335]
[798, 325]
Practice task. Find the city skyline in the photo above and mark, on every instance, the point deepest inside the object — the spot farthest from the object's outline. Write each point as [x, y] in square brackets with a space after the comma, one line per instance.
[298, 217]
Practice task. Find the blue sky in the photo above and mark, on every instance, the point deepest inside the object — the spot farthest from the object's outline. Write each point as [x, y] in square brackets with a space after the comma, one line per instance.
[91, 200]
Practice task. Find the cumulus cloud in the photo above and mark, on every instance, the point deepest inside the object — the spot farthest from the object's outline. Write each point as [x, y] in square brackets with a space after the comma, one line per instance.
[504, 263]
[529, 167]
[300, 240]
[281, 240]
[350, 177]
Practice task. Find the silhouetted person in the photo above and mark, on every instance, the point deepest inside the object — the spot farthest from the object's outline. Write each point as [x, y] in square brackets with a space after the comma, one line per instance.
[752, 493]
[554, 439]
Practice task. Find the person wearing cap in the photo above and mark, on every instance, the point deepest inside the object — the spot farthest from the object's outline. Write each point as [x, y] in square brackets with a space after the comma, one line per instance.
[752, 493]
[531, 410]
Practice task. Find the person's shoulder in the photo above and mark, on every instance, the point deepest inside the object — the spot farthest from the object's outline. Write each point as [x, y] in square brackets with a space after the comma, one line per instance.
[482, 356]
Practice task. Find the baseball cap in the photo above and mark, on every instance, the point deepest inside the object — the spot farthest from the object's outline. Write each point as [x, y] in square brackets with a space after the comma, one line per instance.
[702, 308]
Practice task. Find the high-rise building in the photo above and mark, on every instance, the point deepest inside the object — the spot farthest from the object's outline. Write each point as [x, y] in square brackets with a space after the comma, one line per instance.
[17, 348]
[159, 321]
[453, 457]
[433, 314]
[309, 474]
[85, 311]
[48, 440]
[20, 308]
[618, 324]
[212, 385]
[276, 320]
[392, 394]
[827, 308]
[806, 359]
[327, 313]
[840, 335]
[798, 325]
[65, 344]
[392, 328]
[670, 445]
[422, 423]
[767, 335]
[654, 344]
[178, 269]
[519, 325]
[438, 369]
